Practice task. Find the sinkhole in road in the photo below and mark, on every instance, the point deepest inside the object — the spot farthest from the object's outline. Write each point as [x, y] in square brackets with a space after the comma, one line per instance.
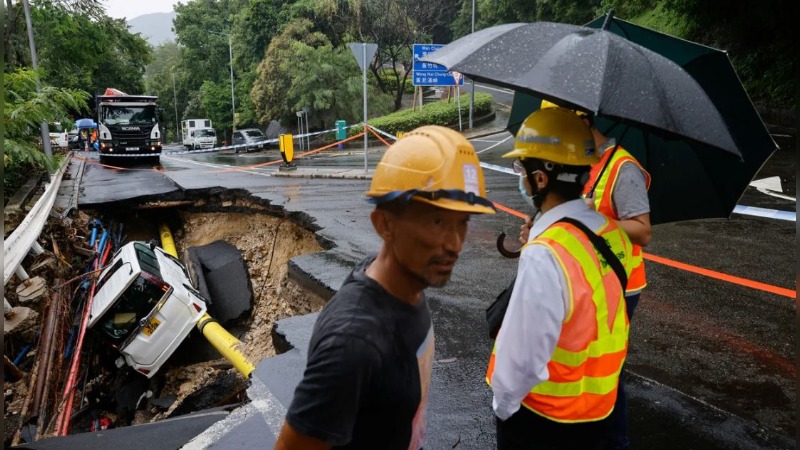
[196, 376]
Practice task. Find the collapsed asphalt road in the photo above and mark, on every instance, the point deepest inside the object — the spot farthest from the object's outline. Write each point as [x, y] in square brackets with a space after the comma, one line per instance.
[713, 361]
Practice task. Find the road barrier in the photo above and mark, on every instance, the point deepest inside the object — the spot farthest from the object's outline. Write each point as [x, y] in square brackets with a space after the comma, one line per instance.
[23, 239]
[219, 149]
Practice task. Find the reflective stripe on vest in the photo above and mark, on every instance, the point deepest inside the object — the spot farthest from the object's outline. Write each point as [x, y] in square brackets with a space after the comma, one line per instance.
[585, 366]
[603, 202]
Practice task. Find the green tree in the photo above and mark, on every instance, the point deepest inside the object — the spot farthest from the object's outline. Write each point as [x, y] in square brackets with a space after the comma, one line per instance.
[394, 25]
[23, 110]
[166, 78]
[329, 86]
[88, 51]
[200, 29]
[216, 101]
[276, 70]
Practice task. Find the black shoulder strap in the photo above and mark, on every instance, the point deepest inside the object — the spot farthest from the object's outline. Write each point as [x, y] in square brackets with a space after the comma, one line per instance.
[601, 246]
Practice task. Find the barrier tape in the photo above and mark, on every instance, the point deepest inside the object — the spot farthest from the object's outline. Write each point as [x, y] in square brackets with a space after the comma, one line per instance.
[691, 268]
[218, 149]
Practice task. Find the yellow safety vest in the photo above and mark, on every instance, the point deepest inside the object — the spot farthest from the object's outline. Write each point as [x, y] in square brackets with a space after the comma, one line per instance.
[585, 367]
[603, 189]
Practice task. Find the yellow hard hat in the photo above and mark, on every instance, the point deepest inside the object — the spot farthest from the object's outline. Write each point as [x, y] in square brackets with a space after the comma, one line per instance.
[435, 165]
[548, 104]
[556, 135]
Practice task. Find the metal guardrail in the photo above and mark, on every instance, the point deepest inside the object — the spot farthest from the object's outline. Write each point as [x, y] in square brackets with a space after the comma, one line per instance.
[20, 242]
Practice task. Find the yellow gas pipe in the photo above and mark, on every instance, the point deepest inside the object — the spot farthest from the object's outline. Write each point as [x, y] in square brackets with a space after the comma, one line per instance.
[220, 338]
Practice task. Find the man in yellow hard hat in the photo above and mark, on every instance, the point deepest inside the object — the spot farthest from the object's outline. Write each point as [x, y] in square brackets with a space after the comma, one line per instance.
[371, 353]
[555, 366]
[617, 187]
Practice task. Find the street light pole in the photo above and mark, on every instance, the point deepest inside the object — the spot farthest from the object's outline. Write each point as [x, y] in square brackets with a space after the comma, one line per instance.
[471, 81]
[177, 122]
[233, 98]
[43, 127]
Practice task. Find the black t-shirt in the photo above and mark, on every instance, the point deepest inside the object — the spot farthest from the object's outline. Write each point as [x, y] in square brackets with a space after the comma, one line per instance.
[369, 364]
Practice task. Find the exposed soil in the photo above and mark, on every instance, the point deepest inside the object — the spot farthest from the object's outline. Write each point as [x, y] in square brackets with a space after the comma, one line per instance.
[266, 241]
[267, 244]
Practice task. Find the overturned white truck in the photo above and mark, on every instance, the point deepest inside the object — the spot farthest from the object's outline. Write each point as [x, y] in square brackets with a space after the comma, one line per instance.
[145, 306]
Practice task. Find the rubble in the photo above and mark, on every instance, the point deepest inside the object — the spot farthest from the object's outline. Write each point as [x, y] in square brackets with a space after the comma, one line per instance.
[265, 243]
[22, 322]
[32, 290]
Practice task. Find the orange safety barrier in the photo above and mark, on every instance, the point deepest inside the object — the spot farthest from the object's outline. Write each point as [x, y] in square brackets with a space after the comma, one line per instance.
[690, 268]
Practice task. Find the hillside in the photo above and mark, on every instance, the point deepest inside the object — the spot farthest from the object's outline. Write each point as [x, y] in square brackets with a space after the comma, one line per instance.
[155, 27]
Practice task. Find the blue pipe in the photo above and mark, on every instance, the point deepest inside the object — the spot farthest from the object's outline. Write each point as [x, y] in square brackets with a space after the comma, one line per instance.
[68, 349]
[94, 232]
[22, 354]
[18, 359]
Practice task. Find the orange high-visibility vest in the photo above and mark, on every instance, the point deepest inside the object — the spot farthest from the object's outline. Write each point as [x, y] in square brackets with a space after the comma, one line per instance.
[603, 202]
[585, 367]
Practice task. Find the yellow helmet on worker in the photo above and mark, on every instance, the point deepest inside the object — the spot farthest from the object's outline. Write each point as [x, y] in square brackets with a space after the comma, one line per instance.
[557, 135]
[434, 165]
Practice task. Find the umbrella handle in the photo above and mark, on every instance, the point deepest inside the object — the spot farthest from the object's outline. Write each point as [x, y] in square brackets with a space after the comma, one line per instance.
[502, 249]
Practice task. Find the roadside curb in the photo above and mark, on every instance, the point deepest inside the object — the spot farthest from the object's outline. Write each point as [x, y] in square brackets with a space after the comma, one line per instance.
[344, 174]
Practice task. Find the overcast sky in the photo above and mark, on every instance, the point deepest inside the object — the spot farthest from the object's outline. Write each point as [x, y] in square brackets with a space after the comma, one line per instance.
[128, 9]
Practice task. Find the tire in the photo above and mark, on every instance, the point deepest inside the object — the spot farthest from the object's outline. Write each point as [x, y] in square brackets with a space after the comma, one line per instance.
[104, 159]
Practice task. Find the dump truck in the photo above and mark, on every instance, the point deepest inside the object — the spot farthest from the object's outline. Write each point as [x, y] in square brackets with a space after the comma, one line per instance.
[128, 125]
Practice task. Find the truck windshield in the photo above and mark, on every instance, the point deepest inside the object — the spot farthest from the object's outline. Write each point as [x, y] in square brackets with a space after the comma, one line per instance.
[205, 133]
[128, 115]
[134, 304]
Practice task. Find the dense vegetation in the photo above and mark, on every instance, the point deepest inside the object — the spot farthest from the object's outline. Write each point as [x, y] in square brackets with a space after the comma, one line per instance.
[290, 55]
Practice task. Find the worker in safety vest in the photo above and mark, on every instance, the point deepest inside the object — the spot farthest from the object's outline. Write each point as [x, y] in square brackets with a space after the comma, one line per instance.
[617, 187]
[370, 356]
[555, 366]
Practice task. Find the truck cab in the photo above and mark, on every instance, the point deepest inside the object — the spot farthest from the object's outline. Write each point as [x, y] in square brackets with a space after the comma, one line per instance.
[128, 125]
[144, 306]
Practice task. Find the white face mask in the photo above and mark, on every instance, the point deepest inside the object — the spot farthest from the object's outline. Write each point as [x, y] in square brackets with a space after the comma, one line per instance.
[524, 193]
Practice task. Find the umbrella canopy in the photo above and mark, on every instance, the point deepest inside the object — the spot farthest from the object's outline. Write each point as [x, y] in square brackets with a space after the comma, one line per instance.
[592, 70]
[85, 123]
[699, 164]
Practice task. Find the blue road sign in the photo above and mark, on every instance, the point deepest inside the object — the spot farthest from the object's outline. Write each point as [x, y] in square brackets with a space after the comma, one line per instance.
[429, 74]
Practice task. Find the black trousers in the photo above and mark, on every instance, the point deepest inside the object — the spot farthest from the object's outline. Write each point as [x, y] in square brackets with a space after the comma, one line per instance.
[526, 430]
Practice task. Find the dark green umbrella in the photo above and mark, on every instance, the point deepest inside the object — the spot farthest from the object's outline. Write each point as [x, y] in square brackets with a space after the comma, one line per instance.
[690, 180]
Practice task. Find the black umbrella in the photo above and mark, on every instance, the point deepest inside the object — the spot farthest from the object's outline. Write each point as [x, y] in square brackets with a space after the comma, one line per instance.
[656, 109]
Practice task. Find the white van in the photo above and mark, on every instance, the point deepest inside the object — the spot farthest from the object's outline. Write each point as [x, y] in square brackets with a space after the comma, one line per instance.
[145, 306]
[198, 133]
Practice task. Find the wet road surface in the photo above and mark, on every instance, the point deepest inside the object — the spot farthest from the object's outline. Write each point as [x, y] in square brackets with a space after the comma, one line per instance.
[711, 362]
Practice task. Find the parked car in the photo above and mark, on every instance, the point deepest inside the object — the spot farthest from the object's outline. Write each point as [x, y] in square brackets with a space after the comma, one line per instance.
[145, 306]
[58, 135]
[253, 138]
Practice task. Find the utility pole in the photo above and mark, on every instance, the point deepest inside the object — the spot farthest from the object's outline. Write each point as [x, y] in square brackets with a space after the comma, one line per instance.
[44, 127]
[177, 122]
[471, 81]
[233, 97]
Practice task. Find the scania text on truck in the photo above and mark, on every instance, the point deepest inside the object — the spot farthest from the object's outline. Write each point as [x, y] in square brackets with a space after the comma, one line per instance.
[128, 124]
